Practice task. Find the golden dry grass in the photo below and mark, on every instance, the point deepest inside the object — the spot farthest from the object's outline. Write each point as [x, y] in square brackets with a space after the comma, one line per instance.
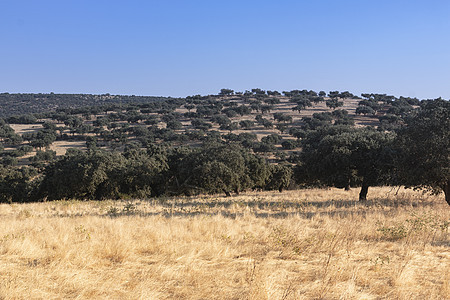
[307, 244]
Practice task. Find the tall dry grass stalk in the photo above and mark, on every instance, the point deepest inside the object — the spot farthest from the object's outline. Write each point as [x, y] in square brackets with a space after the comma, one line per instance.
[308, 244]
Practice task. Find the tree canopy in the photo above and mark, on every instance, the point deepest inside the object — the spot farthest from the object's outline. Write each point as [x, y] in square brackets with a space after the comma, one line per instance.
[425, 146]
[343, 156]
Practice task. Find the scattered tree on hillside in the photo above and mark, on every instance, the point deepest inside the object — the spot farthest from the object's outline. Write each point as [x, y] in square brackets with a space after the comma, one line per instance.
[334, 103]
[226, 92]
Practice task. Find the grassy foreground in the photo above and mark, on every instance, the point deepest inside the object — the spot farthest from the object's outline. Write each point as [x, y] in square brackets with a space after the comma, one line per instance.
[307, 244]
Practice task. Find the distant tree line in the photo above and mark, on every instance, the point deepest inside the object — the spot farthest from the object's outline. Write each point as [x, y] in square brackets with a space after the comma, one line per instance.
[20, 104]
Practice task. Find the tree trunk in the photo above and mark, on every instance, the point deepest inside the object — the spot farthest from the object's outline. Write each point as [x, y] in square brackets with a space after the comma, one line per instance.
[363, 192]
[347, 187]
[447, 192]
[227, 193]
[280, 189]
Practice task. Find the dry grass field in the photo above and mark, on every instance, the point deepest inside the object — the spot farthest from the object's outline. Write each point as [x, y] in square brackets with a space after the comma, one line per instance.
[306, 244]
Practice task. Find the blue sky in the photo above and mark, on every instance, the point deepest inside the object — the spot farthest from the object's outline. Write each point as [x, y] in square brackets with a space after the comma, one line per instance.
[181, 48]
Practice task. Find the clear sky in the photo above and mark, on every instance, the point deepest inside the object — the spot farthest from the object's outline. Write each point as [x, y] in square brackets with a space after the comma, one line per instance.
[181, 48]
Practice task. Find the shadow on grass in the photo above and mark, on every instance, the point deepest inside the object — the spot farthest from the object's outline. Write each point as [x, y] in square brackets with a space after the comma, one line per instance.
[233, 208]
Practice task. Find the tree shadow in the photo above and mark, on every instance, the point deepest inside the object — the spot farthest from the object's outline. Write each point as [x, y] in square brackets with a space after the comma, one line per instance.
[233, 208]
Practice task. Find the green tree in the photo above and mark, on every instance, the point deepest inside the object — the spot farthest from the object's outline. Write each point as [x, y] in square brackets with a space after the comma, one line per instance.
[8, 135]
[18, 185]
[226, 92]
[46, 156]
[289, 144]
[174, 124]
[280, 177]
[334, 103]
[246, 124]
[83, 175]
[425, 148]
[142, 175]
[343, 156]
[215, 168]
[365, 110]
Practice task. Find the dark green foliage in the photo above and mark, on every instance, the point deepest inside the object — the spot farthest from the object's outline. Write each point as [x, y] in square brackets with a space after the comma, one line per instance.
[273, 93]
[201, 124]
[289, 144]
[47, 155]
[365, 110]
[334, 103]
[295, 93]
[343, 156]
[425, 148]
[82, 175]
[411, 101]
[389, 122]
[333, 94]
[247, 136]
[379, 98]
[215, 168]
[226, 92]
[230, 127]
[266, 108]
[8, 160]
[271, 139]
[302, 102]
[313, 123]
[258, 91]
[40, 139]
[8, 136]
[370, 103]
[272, 101]
[22, 119]
[264, 122]
[246, 124]
[280, 117]
[18, 185]
[297, 132]
[263, 147]
[340, 113]
[208, 110]
[280, 177]
[143, 174]
[346, 94]
[400, 107]
[324, 116]
[174, 125]
[282, 127]
[256, 106]
[221, 120]
[104, 175]
[23, 104]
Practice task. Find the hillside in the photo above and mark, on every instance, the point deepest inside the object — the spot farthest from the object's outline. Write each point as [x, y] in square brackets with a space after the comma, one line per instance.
[114, 121]
[230, 142]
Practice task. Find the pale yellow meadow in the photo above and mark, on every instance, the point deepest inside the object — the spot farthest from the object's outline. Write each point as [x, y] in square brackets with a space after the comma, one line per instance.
[305, 244]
